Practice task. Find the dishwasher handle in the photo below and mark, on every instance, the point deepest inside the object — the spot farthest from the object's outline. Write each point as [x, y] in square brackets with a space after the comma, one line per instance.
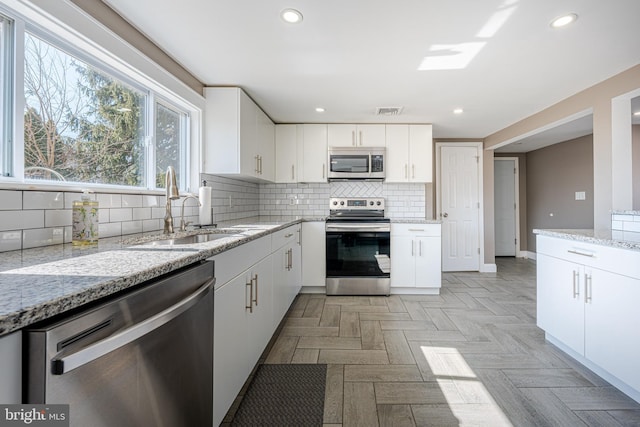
[98, 349]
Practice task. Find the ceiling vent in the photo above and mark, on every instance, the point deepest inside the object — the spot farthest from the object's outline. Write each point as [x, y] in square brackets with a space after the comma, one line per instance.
[388, 111]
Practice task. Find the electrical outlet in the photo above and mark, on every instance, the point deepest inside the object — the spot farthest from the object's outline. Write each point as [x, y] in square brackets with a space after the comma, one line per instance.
[581, 195]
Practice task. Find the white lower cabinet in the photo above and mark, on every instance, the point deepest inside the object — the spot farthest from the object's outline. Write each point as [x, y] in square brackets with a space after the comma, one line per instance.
[560, 301]
[314, 253]
[287, 270]
[416, 256]
[255, 285]
[586, 299]
[11, 372]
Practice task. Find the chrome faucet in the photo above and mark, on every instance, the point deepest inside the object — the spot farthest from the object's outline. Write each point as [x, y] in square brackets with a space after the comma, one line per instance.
[172, 194]
[183, 223]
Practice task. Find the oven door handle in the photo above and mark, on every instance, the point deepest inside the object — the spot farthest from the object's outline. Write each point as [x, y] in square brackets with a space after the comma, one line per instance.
[357, 228]
[61, 366]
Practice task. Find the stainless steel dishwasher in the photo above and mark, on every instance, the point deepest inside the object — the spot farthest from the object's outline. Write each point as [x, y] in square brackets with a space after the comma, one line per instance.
[144, 358]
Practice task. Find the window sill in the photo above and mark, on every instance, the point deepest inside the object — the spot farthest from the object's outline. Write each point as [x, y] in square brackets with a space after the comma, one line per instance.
[76, 188]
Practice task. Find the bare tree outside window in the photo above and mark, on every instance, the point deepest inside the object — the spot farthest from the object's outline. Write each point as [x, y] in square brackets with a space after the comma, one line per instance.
[79, 122]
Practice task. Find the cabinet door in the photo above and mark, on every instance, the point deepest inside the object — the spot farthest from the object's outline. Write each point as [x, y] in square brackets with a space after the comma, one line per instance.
[280, 265]
[397, 156]
[314, 255]
[612, 336]
[260, 318]
[341, 135]
[248, 136]
[403, 260]
[11, 357]
[230, 350]
[314, 153]
[560, 306]
[371, 135]
[420, 153]
[286, 153]
[295, 274]
[266, 146]
[428, 262]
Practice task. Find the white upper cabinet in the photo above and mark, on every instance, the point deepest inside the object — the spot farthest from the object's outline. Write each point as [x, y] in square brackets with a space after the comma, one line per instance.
[287, 153]
[240, 137]
[312, 158]
[362, 135]
[409, 153]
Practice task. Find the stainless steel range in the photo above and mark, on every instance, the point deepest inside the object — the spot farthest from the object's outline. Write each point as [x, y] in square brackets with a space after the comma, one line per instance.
[358, 247]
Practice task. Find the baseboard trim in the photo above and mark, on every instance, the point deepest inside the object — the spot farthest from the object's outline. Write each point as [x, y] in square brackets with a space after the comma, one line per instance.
[313, 290]
[415, 291]
[530, 255]
[488, 268]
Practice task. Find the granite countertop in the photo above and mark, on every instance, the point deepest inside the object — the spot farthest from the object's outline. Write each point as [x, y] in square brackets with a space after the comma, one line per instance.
[604, 237]
[415, 221]
[36, 284]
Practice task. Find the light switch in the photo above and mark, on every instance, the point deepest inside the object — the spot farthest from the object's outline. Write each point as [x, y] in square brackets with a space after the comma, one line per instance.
[581, 195]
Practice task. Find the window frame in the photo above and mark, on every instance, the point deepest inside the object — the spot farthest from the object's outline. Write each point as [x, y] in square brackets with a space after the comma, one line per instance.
[151, 82]
[7, 89]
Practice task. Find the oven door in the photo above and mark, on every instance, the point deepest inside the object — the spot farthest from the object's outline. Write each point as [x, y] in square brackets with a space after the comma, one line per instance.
[358, 259]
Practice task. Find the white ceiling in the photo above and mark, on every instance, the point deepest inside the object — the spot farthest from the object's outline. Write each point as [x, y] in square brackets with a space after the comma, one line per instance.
[351, 57]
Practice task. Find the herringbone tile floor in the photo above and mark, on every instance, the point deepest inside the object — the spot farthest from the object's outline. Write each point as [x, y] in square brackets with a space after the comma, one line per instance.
[471, 356]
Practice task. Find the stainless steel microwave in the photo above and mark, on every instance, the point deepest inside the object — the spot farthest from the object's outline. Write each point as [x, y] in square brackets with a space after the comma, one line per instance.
[357, 163]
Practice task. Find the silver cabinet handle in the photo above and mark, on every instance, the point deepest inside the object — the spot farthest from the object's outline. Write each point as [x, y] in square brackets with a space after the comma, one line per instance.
[257, 170]
[260, 163]
[250, 306]
[286, 236]
[413, 247]
[420, 247]
[578, 252]
[416, 229]
[588, 288]
[413, 171]
[323, 170]
[293, 174]
[406, 171]
[360, 137]
[256, 293]
[92, 352]
[576, 284]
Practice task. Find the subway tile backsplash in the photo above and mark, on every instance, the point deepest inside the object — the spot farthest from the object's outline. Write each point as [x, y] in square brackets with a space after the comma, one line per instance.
[39, 218]
[625, 225]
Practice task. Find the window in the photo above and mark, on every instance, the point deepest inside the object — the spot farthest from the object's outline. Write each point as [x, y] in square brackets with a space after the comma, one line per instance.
[6, 96]
[89, 117]
[170, 132]
[80, 124]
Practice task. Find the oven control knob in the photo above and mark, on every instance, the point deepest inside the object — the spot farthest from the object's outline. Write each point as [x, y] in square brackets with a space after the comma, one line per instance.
[335, 202]
[371, 203]
[378, 203]
[342, 203]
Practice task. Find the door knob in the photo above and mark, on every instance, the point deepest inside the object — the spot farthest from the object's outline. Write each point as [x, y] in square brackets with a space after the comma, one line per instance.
[445, 214]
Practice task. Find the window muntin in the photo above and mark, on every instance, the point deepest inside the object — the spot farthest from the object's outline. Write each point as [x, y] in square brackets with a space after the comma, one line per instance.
[80, 124]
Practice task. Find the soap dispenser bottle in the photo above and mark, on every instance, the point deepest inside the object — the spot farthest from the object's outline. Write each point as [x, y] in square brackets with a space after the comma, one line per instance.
[85, 221]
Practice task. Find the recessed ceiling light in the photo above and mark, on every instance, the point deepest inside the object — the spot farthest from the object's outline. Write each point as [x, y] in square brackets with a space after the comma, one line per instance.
[319, 110]
[458, 111]
[291, 16]
[564, 20]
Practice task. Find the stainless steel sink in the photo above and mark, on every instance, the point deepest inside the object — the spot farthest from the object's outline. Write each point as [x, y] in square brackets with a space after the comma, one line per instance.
[188, 240]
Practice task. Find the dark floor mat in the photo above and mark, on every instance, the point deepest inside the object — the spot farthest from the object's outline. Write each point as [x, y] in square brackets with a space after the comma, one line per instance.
[284, 395]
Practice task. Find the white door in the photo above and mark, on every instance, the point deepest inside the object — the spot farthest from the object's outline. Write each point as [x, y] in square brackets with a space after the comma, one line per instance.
[505, 206]
[460, 208]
